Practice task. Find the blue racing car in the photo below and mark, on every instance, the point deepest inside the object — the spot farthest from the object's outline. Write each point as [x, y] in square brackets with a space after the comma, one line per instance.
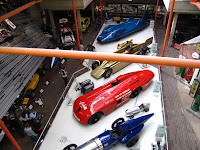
[125, 132]
[115, 32]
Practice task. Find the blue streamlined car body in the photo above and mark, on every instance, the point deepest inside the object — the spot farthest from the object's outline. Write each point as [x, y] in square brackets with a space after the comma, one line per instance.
[115, 32]
[125, 132]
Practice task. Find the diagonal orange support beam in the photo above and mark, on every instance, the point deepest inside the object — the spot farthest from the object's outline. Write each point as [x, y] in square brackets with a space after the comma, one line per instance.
[9, 135]
[16, 11]
[103, 56]
[156, 13]
[168, 27]
[76, 25]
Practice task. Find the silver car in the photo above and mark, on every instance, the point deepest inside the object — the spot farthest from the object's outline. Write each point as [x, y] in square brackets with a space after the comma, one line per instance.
[137, 109]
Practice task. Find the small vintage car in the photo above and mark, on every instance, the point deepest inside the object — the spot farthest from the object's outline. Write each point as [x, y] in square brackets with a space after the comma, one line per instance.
[66, 35]
[135, 110]
[4, 34]
[85, 22]
[110, 67]
[124, 132]
[89, 108]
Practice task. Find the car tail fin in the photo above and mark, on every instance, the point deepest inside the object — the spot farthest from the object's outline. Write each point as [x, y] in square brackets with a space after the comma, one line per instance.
[145, 17]
[149, 41]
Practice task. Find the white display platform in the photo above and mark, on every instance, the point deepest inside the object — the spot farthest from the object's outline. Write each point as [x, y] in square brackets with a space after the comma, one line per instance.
[66, 130]
[138, 37]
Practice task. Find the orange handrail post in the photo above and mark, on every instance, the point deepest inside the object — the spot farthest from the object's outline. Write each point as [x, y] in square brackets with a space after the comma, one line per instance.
[167, 61]
[156, 13]
[16, 11]
[9, 135]
[76, 24]
[168, 27]
[101, 12]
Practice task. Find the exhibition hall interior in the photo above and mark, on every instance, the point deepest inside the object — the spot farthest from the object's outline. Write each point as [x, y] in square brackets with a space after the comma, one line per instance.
[99, 74]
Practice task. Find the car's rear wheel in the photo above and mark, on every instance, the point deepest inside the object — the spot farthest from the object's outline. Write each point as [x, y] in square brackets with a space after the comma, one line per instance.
[131, 117]
[135, 93]
[94, 118]
[107, 73]
[117, 122]
[146, 109]
[95, 64]
[70, 147]
[132, 141]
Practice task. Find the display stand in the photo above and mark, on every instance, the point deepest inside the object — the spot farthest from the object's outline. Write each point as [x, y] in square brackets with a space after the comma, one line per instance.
[66, 130]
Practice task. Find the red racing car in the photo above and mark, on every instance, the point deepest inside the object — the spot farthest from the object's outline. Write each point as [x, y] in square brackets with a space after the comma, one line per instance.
[89, 108]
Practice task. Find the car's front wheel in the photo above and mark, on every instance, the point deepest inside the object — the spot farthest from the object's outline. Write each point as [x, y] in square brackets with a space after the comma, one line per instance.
[131, 117]
[107, 73]
[132, 141]
[135, 93]
[70, 147]
[95, 64]
[94, 118]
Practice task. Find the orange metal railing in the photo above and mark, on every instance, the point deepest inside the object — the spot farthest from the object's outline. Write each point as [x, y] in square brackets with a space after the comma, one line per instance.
[94, 55]
[16, 11]
[102, 56]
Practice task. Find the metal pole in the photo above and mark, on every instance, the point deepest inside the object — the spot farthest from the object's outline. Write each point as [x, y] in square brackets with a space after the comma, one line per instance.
[167, 61]
[75, 19]
[173, 27]
[93, 12]
[168, 27]
[16, 11]
[156, 13]
[9, 135]
[79, 25]
[165, 16]
[101, 12]
[52, 24]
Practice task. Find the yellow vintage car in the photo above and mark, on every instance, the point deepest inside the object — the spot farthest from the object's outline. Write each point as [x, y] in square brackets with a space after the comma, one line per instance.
[33, 83]
[85, 22]
[110, 67]
[28, 93]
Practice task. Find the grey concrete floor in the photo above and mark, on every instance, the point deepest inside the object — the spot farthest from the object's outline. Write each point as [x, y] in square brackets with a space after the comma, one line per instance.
[182, 126]
[183, 132]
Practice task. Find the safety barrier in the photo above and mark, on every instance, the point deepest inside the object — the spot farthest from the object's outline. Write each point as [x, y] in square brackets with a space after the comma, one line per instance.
[62, 97]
